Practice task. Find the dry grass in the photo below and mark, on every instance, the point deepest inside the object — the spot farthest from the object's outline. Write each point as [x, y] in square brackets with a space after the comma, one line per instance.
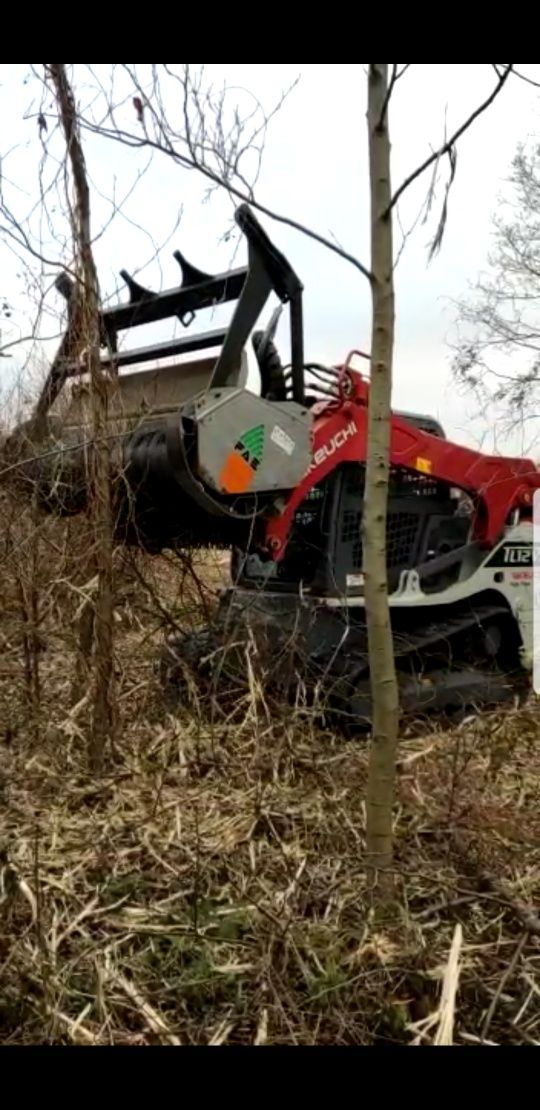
[210, 888]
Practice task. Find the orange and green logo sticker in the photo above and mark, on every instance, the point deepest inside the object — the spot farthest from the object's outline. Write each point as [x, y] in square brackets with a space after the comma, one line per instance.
[242, 463]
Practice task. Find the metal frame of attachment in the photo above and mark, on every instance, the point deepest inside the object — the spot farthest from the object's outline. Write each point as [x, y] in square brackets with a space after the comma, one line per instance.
[267, 271]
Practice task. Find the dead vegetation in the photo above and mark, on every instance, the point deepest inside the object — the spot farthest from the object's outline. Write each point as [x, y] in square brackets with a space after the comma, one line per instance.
[210, 886]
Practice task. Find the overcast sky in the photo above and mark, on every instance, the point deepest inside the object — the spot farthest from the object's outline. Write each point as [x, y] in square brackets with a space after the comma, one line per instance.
[315, 169]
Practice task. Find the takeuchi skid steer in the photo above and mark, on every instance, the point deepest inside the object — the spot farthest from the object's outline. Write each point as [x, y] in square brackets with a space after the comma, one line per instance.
[277, 476]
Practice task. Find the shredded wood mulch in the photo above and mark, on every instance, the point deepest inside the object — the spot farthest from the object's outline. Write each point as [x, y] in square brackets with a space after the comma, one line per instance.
[210, 887]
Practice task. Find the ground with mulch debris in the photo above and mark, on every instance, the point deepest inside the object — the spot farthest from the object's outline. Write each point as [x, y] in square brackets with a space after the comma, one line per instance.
[210, 888]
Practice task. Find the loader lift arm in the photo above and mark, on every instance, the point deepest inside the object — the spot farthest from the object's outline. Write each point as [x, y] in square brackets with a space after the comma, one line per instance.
[497, 485]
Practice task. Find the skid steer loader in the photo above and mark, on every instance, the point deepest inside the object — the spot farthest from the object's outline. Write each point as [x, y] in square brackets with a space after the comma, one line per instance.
[276, 475]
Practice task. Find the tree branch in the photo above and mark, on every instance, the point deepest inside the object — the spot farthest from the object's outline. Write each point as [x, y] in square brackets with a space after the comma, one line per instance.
[190, 158]
[131, 140]
[386, 101]
[396, 74]
[522, 77]
[448, 145]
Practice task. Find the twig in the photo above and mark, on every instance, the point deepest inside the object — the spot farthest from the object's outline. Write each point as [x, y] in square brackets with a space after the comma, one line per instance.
[450, 143]
[522, 77]
[445, 1028]
[529, 921]
[396, 74]
[154, 1020]
[76, 1029]
[440, 907]
[389, 92]
[509, 971]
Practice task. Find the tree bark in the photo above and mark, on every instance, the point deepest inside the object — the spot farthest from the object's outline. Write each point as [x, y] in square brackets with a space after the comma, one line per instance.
[102, 699]
[384, 691]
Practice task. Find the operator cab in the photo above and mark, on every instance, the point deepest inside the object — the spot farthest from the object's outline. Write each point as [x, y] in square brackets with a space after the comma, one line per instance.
[425, 423]
[324, 554]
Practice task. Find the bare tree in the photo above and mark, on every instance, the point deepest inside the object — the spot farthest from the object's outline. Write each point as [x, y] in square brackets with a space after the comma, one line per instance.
[85, 334]
[385, 699]
[497, 351]
[382, 765]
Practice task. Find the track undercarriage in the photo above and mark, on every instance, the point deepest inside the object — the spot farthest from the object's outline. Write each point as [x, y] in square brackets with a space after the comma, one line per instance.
[316, 657]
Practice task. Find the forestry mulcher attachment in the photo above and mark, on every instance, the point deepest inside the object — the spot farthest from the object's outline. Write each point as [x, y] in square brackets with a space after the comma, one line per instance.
[276, 475]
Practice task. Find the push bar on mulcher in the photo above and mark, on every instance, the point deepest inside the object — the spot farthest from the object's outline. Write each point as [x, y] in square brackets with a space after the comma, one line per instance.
[267, 271]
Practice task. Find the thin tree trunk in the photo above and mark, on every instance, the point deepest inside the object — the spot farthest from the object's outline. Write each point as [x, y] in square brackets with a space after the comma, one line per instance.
[382, 760]
[100, 500]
